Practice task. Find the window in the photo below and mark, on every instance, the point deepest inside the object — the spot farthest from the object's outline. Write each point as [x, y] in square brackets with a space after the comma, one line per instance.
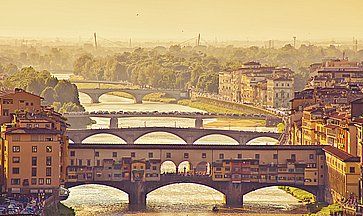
[48, 171]
[34, 171]
[151, 155]
[34, 181]
[114, 154]
[72, 162]
[34, 161]
[133, 154]
[16, 159]
[276, 156]
[239, 156]
[293, 156]
[352, 169]
[49, 148]
[311, 156]
[97, 154]
[186, 155]
[36, 125]
[72, 153]
[15, 181]
[16, 148]
[257, 156]
[41, 181]
[48, 181]
[98, 163]
[15, 138]
[80, 162]
[168, 155]
[154, 167]
[6, 112]
[34, 148]
[204, 155]
[48, 161]
[221, 156]
[16, 170]
[88, 162]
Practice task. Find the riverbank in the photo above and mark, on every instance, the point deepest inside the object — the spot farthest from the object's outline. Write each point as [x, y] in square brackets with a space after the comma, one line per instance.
[312, 205]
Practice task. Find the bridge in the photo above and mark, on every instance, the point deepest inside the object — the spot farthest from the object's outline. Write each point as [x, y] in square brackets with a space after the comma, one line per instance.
[188, 135]
[75, 117]
[138, 94]
[232, 170]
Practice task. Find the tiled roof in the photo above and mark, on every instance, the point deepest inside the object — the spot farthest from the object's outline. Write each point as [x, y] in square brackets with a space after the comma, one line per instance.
[342, 155]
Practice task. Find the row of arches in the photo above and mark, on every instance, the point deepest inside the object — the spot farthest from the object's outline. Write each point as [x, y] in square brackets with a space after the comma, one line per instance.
[168, 138]
[173, 196]
[185, 168]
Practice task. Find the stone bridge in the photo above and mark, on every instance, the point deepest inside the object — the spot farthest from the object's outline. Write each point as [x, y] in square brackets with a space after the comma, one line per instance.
[233, 192]
[75, 117]
[250, 167]
[188, 135]
[138, 94]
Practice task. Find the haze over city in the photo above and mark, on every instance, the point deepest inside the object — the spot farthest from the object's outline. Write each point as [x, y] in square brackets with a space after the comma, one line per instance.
[178, 20]
[181, 107]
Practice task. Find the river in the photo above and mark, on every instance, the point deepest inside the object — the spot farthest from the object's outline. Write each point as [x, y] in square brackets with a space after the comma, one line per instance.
[178, 199]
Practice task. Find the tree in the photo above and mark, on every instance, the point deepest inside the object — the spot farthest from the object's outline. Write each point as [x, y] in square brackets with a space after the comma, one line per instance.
[49, 95]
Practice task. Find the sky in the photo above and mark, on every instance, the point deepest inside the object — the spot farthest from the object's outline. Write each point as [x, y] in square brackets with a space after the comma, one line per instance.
[183, 19]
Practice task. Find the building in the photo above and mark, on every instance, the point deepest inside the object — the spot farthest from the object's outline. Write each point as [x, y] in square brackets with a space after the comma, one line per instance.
[258, 85]
[344, 173]
[336, 72]
[35, 149]
[17, 100]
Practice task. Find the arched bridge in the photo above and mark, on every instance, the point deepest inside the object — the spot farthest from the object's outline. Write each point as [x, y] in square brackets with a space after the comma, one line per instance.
[74, 117]
[138, 94]
[233, 193]
[188, 135]
[232, 170]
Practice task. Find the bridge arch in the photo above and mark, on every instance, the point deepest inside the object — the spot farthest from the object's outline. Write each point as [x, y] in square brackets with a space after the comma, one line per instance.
[168, 166]
[110, 184]
[114, 136]
[185, 167]
[158, 131]
[199, 183]
[268, 140]
[216, 138]
[314, 190]
[206, 135]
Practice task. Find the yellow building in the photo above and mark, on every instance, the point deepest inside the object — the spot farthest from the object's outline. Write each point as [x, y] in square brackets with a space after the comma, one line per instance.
[343, 173]
[34, 153]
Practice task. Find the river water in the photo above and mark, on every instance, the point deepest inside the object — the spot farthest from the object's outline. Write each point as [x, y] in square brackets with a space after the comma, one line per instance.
[178, 199]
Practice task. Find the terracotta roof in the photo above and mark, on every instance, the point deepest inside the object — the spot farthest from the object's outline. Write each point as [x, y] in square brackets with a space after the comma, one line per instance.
[342, 155]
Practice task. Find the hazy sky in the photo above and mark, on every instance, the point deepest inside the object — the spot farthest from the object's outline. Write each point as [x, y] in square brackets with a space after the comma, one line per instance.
[183, 19]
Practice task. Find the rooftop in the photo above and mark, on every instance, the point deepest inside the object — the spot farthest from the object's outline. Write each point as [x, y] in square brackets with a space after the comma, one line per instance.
[342, 155]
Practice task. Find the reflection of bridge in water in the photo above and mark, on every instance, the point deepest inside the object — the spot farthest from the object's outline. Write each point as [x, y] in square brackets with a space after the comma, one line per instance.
[188, 135]
[232, 170]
